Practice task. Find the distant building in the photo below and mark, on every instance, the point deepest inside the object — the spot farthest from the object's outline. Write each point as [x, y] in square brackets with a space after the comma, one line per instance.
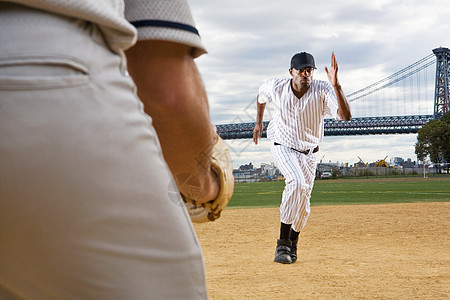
[328, 166]
[400, 162]
[409, 164]
[248, 167]
[268, 170]
[248, 173]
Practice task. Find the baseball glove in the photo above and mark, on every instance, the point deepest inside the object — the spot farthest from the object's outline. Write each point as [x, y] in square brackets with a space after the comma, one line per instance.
[222, 166]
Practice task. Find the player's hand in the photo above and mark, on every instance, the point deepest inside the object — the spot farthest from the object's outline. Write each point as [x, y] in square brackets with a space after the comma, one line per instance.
[212, 184]
[332, 72]
[222, 166]
[257, 132]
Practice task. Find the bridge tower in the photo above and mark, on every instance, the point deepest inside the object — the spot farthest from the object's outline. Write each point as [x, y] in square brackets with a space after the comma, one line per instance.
[442, 86]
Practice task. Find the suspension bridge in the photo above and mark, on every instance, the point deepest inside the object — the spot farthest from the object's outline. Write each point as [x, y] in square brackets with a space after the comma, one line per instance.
[408, 91]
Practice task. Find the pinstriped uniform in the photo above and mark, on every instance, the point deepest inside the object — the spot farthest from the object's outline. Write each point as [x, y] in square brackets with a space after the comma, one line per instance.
[297, 124]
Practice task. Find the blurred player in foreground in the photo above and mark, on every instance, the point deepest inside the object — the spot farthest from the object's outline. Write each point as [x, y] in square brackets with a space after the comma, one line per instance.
[89, 208]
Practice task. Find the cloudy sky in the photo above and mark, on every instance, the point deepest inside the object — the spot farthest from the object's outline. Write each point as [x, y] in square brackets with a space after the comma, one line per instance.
[250, 41]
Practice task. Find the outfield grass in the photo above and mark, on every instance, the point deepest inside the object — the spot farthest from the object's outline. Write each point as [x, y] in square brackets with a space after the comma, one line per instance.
[348, 191]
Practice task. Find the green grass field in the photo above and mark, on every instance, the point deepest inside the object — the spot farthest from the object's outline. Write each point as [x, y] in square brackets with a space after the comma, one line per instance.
[348, 191]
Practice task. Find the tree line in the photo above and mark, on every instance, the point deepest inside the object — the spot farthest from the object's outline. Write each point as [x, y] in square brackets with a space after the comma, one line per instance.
[433, 141]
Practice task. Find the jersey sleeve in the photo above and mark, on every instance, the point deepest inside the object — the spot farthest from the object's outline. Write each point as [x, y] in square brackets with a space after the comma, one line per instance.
[265, 92]
[164, 20]
[330, 102]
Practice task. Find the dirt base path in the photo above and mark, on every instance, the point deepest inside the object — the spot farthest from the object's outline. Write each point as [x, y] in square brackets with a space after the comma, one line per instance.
[394, 251]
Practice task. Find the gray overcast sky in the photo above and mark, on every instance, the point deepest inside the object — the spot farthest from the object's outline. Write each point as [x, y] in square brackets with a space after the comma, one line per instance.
[250, 41]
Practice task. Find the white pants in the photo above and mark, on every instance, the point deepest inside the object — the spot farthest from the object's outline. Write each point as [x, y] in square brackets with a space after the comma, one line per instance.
[88, 208]
[299, 171]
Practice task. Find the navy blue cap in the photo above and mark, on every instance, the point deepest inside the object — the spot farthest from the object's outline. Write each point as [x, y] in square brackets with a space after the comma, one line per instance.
[302, 60]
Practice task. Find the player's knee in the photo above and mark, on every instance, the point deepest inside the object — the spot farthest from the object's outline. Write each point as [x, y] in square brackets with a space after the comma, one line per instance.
[296, 184]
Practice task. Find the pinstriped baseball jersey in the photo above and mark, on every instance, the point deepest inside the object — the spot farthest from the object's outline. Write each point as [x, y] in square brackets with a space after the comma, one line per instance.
[298, 123]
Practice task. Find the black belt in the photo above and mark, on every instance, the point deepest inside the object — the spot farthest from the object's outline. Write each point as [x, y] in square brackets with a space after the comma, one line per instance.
[303, 152]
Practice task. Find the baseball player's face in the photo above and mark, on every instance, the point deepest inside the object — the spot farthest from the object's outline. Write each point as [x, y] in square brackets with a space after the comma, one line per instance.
[303, 77]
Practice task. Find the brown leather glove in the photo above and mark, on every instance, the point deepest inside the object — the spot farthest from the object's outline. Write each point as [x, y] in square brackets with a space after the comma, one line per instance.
[222, 166]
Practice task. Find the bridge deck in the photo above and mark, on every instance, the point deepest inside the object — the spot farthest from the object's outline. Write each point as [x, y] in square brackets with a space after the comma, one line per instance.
[356, 126]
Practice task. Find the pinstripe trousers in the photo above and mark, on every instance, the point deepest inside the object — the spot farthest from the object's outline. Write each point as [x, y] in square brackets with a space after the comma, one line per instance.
[299, 171]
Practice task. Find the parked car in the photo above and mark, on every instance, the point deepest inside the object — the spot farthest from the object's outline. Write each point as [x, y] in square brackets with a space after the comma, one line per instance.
[325, 175]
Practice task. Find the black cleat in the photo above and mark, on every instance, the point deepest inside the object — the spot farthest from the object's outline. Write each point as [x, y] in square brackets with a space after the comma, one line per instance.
[282, 254]
[293, 252]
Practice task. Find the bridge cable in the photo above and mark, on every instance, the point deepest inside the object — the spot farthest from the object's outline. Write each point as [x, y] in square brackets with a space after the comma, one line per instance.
[393, 76]
[387, 84]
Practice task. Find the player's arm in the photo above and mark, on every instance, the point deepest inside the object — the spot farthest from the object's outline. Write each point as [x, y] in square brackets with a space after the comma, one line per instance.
[343, 105]
[257, 131]
[343, 110]
[171, 88]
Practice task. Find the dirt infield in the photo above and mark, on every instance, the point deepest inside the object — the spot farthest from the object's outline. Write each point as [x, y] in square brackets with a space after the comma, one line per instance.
[393, 251]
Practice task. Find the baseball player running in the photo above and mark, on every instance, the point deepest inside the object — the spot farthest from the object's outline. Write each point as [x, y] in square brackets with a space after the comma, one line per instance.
[296, 129]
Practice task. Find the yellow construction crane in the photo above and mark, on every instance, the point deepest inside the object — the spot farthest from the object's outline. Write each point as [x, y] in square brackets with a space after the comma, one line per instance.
[382, 163]
[365, 164]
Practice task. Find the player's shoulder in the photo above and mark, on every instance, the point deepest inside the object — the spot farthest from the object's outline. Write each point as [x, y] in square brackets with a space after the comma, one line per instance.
[321, 84]
[276, 82]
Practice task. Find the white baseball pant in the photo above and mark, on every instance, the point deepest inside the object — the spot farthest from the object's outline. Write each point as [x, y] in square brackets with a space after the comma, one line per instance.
[299, 171]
